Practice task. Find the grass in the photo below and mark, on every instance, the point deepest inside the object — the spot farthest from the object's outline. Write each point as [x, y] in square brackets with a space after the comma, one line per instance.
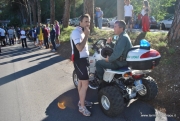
[65, 34]
[156, 39]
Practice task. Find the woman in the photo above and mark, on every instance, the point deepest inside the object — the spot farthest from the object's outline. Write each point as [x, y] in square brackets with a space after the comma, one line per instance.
[52, 36]
[57, 28]
[40, 36]
[23, 38]
[145, 16]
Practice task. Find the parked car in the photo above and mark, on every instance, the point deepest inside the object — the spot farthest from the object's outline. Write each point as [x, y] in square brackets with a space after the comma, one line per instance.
[111, 23]
[105, 21]
[74, 21]
[166, 24]
[153, 22]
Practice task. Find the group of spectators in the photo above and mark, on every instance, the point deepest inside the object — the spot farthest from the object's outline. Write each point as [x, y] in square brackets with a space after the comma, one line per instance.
[42, 35]
[8, 36]
[141, 20]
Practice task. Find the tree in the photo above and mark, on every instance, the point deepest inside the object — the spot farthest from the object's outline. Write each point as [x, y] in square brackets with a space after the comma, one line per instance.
[66, 14]
[174, 32]
[39, 11]
[89, 8]
[52, 8]
[73, 4]
[34, 8]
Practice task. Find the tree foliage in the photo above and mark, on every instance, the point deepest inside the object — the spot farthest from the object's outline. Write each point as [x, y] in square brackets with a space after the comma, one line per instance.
[11, 8]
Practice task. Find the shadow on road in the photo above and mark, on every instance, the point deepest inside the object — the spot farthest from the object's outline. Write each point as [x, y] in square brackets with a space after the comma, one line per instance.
[30, 70]
[11, 52]
[135, 112]
[23, 58]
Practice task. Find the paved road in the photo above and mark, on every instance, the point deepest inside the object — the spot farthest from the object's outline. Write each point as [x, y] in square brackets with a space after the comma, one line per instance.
[33, 81]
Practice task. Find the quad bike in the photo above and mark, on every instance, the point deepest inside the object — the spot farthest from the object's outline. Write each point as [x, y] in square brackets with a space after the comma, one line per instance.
[126, 83]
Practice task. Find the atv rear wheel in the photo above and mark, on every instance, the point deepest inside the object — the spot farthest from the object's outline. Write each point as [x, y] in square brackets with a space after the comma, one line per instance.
[75, 79]
[111, 101]
[150, 89]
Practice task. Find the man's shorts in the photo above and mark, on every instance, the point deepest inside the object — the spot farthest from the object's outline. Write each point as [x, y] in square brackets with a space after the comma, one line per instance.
[80, 66]
[128, 19]
[57, 36]
[3, 37]
[11, 37]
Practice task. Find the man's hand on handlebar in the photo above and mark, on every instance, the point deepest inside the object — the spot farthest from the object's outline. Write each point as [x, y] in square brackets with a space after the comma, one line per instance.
[109, 40]
[107, 59]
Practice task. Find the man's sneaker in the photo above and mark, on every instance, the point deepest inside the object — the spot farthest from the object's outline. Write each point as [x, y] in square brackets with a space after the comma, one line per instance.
[84, 111]
[86, 103]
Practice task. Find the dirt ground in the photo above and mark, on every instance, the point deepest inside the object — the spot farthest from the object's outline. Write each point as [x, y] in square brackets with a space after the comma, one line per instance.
[167, 76]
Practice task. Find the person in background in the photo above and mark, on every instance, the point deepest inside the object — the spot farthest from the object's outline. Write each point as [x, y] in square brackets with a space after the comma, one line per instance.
[52, 37]
[47, 27]
[40, 35]
[3, 36]
[14, 36]
[96, 17]
[134, 20]
[45, 35]
[100, 17]
[128, 13]
[11, 35]
[145, 16]
[23, 38]
[34, 35]
[6, 34]
[139, 20]
[57, 28]
[18, 34]
[0, 38]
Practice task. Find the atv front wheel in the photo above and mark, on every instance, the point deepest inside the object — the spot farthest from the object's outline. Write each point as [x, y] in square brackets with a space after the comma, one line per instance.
[111, 101]
[150, 89]
[75, 79]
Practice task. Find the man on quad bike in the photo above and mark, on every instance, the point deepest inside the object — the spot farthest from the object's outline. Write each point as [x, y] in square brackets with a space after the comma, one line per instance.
[120, 48]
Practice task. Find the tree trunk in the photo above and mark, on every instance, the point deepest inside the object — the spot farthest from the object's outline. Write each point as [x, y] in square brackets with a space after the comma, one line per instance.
[89, 8]
[33, 5]
[22, 13]
[174, 32]
[66, 14]
[120, 9]
[26, 5]
[39, 11]
[52, 9]
[74, 8]
[30, 11]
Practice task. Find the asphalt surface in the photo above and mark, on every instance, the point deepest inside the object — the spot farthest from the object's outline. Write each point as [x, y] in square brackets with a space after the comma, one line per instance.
[33, 81]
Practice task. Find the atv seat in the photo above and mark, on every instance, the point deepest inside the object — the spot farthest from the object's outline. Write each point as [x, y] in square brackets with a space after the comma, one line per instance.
[122, 69]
